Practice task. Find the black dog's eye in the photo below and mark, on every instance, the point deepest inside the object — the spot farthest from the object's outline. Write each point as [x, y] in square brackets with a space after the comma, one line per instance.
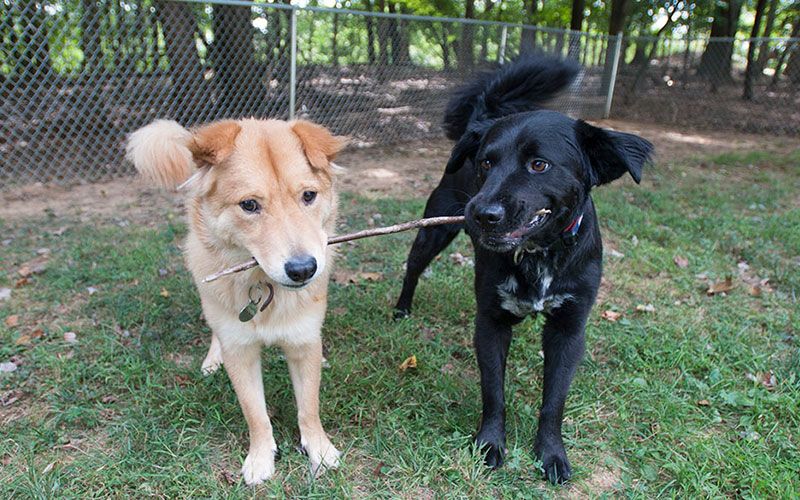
[539, 165]
[486, 164]
[309, 197]
[250, 206]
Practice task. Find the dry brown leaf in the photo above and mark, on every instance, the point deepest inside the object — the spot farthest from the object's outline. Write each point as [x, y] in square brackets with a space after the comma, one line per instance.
[21, 282]
[34, 266]
[410, 362]
[681, 262]
[6, 460]
[164, 293]
[37, 333]
[23, 340]
[371, 276]
[108, 399]
[611, 316]
[721, 287]
[755, 290]
[768, 380]
[70, 337]
[12, 321]
[703, 402]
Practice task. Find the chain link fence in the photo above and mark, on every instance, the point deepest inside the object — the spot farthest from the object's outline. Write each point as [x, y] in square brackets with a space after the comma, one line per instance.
[76, 76]
[707, 83]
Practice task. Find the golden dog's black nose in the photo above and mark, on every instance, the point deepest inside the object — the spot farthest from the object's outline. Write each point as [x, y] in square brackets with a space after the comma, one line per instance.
[300, 268]
[488, 216]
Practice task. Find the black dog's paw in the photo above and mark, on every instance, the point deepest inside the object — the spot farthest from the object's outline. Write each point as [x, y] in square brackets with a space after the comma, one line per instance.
[492, 448]
[399, 314]
[555, 465]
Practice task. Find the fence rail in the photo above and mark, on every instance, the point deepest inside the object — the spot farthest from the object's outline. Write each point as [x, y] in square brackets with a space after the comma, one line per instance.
[75, 78]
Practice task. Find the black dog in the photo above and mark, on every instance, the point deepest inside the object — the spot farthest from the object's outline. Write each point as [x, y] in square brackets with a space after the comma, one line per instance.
[523, 176]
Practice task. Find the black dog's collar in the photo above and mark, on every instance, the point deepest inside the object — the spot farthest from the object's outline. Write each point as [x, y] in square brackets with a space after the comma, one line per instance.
[568, 238]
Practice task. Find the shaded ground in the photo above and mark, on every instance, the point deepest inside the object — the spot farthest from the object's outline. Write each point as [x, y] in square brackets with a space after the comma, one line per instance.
[409, 170]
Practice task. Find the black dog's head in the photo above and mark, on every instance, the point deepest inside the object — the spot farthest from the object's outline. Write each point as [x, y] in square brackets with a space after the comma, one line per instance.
[535, 171]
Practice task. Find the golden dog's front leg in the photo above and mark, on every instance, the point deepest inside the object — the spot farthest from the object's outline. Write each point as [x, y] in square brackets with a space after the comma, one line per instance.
[305, 363]
[243, 364]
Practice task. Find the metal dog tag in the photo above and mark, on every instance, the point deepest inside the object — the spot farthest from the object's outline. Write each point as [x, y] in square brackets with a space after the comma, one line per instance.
[249, 311]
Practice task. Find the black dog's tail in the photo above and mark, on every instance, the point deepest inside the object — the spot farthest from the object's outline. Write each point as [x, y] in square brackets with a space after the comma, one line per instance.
[523, 85]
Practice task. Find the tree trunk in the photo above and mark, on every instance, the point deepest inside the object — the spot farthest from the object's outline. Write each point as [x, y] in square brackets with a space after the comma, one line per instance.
[485, 30]
[792, 47]
[400, 40]
[528, 41]
[616, 23]
[178, 25]
[90, 36]
[465, 56]
[575, 24]
[236, 74]
[749, 73]
[445, 43]
[764, 48]
[383, 37]
[370, 21]
[334, 41]
[715, 63]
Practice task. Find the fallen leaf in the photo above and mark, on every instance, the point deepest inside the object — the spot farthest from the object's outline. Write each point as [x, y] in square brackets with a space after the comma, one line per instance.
[680, 261]
[8, 367]
[611, 316]
[5, 294]
[768, 380]
[228, 477]
[21, 282]
[703, 402]
[616, 254]
[12, 321]
[754, 291]
[346, 277]
[23, 340]
[460, 260]
[182, 380]
[6, 460]
[720, 287]
[70, 337]
[410, 362]
[108, 399]
[92, 290]
[371, 276]
[60, 231]
[37, 333]
[48, 468]
[34, 266]
[648, 308]
[10, 397]
[164, 293]
[339, 311]
[378, 470]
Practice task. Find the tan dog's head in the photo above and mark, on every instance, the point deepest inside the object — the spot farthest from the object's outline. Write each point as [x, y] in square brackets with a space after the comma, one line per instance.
[259, 187]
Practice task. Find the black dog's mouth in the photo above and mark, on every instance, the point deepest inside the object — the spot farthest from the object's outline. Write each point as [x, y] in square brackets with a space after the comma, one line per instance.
[512, 239]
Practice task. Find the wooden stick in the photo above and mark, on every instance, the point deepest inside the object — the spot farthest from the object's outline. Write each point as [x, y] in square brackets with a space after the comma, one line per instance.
[378, 231]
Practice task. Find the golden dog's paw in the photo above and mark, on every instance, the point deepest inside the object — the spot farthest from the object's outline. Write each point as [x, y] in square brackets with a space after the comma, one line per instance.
[212, 362]
[258, 467]
[322, 455]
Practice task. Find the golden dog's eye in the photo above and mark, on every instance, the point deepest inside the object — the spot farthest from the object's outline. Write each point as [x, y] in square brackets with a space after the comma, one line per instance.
[250, 206]
[539, 166]
[309, 197]
[486, 164]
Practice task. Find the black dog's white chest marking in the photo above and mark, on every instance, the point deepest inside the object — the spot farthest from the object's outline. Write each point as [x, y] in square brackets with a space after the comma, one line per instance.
[536, 299]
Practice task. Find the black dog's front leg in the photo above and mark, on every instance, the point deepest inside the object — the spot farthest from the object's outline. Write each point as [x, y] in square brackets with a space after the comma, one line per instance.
[562, 343]
[492, 338]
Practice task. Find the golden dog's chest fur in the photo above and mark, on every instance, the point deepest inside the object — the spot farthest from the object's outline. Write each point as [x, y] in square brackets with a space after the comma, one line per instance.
[276, 167]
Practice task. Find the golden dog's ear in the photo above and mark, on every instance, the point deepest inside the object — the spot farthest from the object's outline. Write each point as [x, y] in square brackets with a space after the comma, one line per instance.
[213, 143]
[160, 154]
[319, 145]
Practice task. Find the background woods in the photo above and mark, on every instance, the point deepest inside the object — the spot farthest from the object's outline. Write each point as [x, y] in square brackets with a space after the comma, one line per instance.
[374, 69]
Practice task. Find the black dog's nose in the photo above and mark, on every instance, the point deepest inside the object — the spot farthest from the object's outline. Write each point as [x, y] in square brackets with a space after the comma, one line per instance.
[489, 215]
[300, 268]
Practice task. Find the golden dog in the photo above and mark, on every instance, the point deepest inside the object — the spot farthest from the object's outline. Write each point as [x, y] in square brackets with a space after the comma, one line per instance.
[261, 188]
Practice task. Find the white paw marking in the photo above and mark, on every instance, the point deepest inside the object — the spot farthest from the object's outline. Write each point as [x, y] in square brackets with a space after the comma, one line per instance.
[323, 455]
[258, 467]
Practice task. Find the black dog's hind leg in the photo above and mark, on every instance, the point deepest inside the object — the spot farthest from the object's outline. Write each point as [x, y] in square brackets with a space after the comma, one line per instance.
[430, 241]
[492, 339]
[562, 343]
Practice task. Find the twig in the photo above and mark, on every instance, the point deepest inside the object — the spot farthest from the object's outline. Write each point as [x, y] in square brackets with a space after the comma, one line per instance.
[378, 231]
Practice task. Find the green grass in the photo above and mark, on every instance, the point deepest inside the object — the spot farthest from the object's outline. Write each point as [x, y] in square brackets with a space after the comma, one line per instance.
[661, 406]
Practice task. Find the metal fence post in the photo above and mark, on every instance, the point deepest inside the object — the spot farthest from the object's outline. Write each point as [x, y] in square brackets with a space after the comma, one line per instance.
[503, 37]
[612, 82]
[293, 64]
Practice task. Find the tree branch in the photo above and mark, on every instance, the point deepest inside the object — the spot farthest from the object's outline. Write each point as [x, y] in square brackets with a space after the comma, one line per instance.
[378, 231]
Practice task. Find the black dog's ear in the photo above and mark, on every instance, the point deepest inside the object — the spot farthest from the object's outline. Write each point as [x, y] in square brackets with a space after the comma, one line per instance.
[465, 148]
[611, 153]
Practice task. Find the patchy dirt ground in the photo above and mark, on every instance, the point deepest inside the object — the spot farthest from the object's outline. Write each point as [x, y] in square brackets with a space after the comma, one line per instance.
[407, 170]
